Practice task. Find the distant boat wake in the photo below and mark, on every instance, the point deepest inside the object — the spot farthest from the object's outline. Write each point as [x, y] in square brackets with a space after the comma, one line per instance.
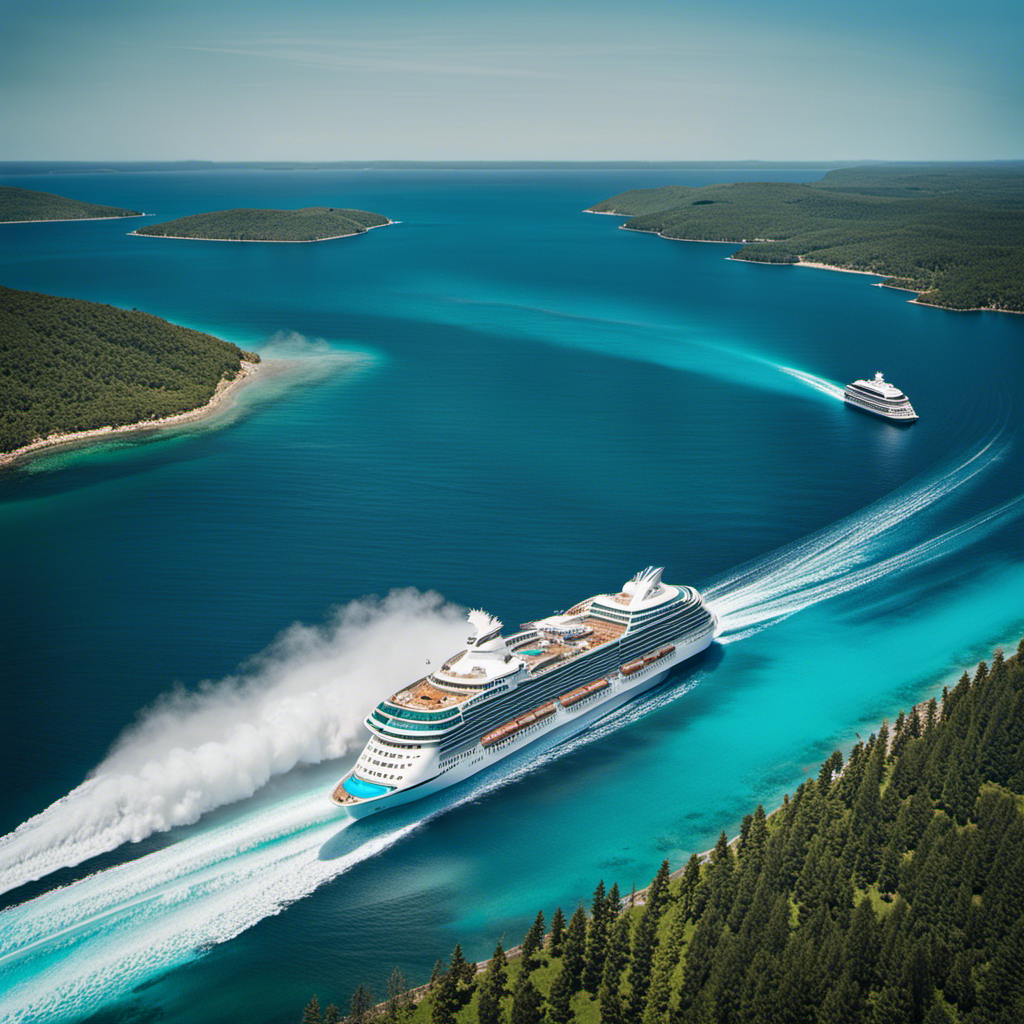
[690, 349]
[74, 949]
[826, 387]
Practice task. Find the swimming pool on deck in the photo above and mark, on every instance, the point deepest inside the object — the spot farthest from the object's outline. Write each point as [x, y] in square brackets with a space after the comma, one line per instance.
[364, 790]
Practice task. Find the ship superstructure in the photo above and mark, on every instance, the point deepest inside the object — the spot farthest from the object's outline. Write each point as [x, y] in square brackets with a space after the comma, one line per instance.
[881, 398]
[499, 693]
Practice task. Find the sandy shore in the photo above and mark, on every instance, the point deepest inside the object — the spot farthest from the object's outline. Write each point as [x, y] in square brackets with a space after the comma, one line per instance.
[267, 241]
[708, 241]
[222, 398]
[828, 266]
[948, 309]
[68, 220]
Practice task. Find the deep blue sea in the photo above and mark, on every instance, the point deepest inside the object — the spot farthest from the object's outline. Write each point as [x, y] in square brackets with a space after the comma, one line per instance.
[498, 401]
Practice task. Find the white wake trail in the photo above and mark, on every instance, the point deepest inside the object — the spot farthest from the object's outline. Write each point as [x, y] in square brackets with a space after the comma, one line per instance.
[826, 387]
[856, 551]
[300, 702]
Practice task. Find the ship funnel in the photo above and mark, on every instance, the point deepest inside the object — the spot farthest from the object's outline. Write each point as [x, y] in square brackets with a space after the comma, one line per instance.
[644, 584]
[486, 628]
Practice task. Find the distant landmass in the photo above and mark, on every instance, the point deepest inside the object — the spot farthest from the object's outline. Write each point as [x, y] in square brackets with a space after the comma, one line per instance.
[955, 236]
[311, 224]
[23, 204]
[71, 366]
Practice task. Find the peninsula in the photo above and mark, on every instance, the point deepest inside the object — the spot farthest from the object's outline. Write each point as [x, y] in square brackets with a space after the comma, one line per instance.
[75, 370]
[311, 224]
[953, 234]
[23, 205]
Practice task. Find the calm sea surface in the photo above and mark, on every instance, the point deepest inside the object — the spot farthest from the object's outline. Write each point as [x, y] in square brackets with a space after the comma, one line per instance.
[531, 406]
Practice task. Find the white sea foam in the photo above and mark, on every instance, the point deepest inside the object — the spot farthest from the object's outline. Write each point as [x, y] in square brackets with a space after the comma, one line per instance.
[301, 701]
[856, 551]
[826, 387]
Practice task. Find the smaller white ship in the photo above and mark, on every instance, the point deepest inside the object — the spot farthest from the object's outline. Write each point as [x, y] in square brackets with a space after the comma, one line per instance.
[881, 398]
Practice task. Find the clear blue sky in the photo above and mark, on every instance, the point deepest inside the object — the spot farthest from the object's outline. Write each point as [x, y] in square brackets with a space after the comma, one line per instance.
[511, 79]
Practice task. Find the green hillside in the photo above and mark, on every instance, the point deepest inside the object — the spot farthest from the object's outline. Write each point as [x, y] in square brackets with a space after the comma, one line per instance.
[888, 890]
[69, 365]
[955, 236]
[24, 204]
[312, 224]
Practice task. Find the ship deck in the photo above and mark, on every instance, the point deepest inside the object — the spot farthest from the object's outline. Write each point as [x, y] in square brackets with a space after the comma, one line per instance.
[601, 633]
[423, 695]
[340, 795]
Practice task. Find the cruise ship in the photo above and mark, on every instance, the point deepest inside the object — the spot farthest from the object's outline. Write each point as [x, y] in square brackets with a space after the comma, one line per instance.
[881, 398]
[500, 694]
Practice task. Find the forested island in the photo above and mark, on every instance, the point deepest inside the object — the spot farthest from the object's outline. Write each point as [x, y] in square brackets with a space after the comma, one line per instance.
[311, 224]
[67, 365]
[888, 890]
[23, 204]
[954, 235]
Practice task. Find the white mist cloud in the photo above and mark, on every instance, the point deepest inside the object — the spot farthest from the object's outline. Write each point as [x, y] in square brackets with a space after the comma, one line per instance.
[301, 701]
[293, 345]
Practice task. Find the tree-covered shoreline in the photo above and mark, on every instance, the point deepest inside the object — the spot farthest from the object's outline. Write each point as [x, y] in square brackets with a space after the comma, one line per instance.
[23, 204]
[888, 890]
[68, 365]
[954, 236]
[310, 224]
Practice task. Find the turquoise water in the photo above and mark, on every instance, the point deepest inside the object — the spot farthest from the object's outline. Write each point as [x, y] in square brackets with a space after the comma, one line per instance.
[505, 403]
[362, 788]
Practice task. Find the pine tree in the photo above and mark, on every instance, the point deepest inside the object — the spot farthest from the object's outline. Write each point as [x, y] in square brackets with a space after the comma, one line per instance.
[532, 944]
[860, 950]
[436, 975]
[465, 972]
[611, 904]
[610, 1003]
[664, 967]
[616, 953]
[913, 728]
[560, 1000]
[445, 1003]
[527, 1003]
[597, 940]
[311, 1014]
[492, 988]
[574, 949]
[332, 1015]
[398, 1004]
[616, 961]
[843, 1004]
[658, 894]
[961, 788]
[889, 873]
[362, 1003]
[645, 942]
[748, 821]
[688, 886]
[717, 890]
[557, 937]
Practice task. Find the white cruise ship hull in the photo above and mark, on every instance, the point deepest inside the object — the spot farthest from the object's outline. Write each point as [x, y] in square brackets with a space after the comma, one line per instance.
[564, 723]
[907, 416]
